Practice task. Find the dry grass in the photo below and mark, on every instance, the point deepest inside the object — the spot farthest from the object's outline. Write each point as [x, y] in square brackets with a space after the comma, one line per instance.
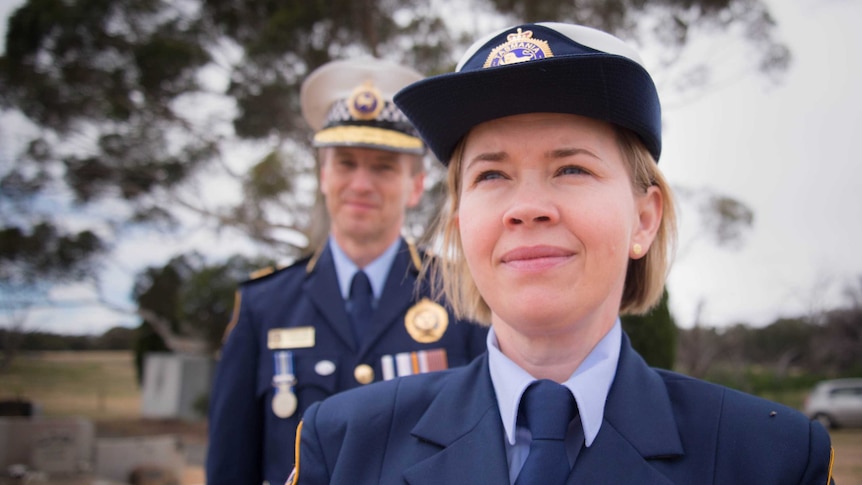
[96, 385]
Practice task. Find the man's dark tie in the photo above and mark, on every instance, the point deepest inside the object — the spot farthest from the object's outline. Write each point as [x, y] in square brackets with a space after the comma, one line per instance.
[361, 296]
[548, 408]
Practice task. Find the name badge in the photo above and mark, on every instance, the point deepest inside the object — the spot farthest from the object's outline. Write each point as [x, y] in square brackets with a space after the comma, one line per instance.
[290, 338]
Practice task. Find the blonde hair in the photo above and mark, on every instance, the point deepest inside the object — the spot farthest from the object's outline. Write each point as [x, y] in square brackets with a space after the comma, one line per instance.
[645, 277]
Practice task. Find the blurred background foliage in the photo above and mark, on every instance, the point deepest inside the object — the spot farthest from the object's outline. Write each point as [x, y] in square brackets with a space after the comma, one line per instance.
[154, 115]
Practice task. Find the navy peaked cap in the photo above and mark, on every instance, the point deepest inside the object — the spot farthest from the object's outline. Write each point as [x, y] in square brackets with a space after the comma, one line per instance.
[532, 68]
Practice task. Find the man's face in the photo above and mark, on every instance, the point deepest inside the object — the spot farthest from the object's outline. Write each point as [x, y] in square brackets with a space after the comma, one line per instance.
[367, 193]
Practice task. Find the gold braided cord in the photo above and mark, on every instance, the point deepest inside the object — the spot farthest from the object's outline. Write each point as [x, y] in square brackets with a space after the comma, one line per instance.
[366, 135]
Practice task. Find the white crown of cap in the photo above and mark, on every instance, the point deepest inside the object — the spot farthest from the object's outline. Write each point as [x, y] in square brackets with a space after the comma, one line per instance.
[587, 36]
[336, 80]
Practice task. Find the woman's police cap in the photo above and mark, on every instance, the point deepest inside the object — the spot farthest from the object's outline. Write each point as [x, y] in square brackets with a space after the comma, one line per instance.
[349, 103]
[532, 68]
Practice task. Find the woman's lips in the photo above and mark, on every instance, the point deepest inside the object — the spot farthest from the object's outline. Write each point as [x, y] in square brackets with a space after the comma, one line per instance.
[536, 257]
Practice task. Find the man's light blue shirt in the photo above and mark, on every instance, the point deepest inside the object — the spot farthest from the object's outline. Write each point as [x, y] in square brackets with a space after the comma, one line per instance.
[589, 384]
[377, 270]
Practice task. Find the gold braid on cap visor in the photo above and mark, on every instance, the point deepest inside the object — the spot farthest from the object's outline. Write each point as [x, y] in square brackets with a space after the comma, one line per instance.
[367, 135]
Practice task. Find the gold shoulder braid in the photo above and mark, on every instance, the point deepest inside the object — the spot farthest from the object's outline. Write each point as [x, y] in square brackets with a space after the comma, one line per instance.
[260, 273]
[414, 254]
[237, 301]
[309, 267]
[293, 479]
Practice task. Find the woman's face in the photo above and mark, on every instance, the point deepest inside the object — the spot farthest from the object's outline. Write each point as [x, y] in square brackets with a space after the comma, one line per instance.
[547, 219]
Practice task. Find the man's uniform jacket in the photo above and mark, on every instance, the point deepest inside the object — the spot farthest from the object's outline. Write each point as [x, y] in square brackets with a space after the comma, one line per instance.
[248, 443]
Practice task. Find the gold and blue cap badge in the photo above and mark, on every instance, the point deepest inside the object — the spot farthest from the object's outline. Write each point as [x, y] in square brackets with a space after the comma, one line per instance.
[520, 46]
[546, 67]
[349, 103]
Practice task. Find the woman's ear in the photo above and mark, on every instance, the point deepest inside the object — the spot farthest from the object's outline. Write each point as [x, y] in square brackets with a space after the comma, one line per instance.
[650, 207]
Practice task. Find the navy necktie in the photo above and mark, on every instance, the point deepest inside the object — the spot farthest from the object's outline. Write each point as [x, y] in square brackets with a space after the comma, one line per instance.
[548, 408]
[361, 296]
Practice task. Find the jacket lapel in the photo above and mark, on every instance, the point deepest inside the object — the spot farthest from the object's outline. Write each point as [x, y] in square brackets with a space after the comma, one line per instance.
[319, 286]
[613, 459]
[638, 426]
[396, 297]
[464, 421]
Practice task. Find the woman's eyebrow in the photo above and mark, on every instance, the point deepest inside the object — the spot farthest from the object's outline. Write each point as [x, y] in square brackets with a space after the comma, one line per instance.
[570, 152]
[487, 157]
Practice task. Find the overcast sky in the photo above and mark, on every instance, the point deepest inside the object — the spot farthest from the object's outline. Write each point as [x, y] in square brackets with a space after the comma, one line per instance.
[790, 152]
[787, 151]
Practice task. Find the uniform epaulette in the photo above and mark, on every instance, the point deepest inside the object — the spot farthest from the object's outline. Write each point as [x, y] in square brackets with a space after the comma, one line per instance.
[268, 271]
[312, 260]
[260, 273]
[263, 273]
[421, 256]
[415, 254]
[256, 275]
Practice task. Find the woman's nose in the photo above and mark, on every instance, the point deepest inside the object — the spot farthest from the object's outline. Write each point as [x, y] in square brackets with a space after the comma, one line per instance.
[531, 204]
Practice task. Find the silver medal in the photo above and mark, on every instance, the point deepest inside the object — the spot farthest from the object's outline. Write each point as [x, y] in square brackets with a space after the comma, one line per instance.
[284, 400]
[284, 404]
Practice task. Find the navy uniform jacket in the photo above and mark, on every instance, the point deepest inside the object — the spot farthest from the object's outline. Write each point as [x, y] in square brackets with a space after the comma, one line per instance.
[248, 443]
[659, 428]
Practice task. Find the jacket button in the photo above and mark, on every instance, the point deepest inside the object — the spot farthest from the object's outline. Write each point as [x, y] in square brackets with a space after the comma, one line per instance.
[363, 373]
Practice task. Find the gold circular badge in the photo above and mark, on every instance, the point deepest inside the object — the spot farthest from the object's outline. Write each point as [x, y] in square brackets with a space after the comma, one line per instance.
[363, 373]
[426, 321]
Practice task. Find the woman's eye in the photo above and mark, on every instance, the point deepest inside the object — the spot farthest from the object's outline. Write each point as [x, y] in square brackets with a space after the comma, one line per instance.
[489, 175]
[571, 170]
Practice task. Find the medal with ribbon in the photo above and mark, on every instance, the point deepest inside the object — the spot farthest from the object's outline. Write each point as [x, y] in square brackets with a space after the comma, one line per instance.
[284, 401]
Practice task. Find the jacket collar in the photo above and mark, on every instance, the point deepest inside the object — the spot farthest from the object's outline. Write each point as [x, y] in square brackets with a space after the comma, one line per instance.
[639, 425]
[639, 407]
[322, 280]
[321, 285]
[398, 294]
[464, 420]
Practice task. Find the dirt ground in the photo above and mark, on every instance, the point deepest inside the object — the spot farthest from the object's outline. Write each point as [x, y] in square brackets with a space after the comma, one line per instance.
[120, 428]
[193, 435]
[847, 469]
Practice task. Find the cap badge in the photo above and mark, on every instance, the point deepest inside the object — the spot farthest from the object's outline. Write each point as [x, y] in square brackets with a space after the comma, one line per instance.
[519, 47]
[365, 103]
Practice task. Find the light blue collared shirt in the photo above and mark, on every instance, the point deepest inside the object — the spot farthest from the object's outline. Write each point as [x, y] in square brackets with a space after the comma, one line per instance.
[589, 384]
[377, 270]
